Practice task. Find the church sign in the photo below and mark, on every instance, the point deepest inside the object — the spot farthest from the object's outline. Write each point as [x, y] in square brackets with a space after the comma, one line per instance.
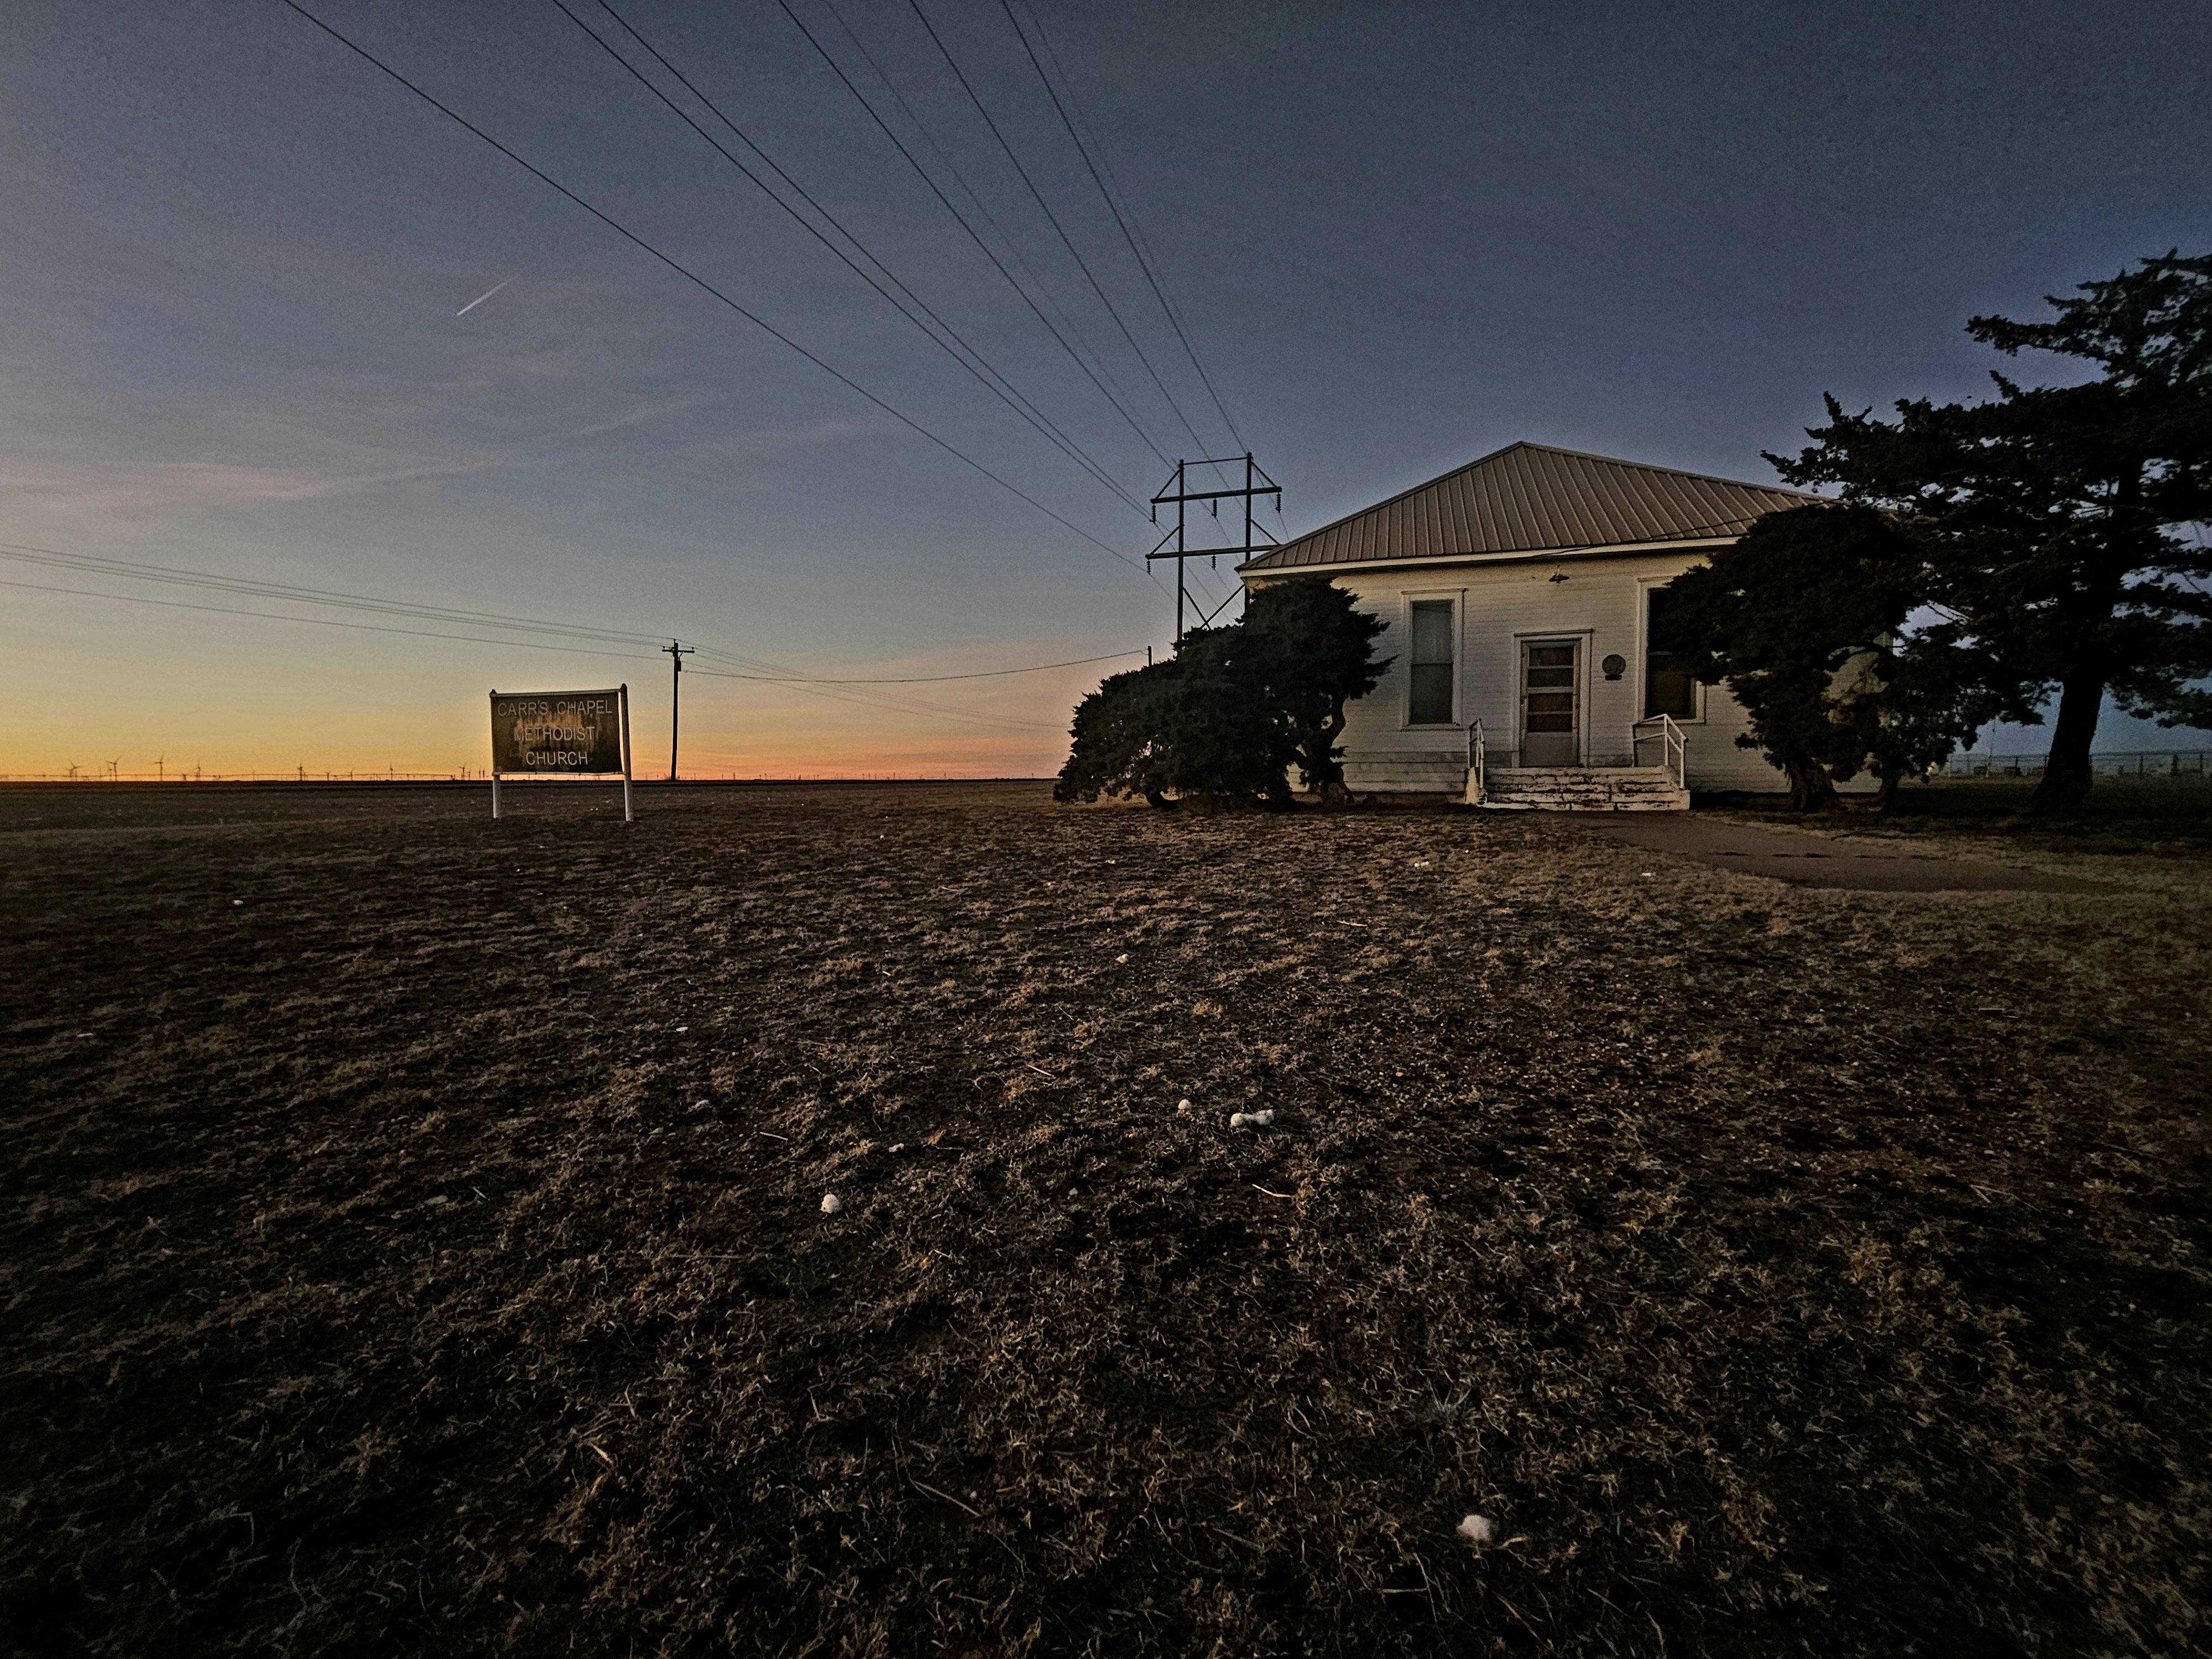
[561, 734]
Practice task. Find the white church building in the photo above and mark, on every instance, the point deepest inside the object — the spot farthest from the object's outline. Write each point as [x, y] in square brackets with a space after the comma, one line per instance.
[1525, 595]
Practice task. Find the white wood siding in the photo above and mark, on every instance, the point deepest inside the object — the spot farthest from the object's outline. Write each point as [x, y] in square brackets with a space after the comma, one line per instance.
[1500, 605]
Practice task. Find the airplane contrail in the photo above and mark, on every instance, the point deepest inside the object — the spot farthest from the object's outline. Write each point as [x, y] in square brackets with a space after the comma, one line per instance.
[481, 297]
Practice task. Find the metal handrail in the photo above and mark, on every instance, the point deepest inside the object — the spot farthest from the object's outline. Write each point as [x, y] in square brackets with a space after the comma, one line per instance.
[1673, 746]
[1477, 762]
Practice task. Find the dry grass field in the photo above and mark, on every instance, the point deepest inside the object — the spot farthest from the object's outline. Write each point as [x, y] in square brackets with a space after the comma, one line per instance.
[414, 1239]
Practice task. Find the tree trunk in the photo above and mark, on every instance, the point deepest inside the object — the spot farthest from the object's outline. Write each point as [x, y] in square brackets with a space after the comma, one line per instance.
[2066, 773]
[1320, 765]
[1811, 788]
[1885, 797]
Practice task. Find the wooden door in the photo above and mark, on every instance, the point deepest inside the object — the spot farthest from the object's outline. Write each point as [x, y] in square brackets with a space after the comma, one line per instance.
[1551, 718]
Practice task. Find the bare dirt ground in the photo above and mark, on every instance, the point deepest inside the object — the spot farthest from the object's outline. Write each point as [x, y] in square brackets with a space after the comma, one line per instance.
[2164, 816]
[414, 1241]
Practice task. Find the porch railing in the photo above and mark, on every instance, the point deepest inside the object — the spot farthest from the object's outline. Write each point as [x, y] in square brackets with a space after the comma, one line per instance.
[1477, 762]
[1668, 737]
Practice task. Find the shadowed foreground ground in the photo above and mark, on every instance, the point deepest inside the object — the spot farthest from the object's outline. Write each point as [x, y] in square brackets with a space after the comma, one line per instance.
[413, 1238]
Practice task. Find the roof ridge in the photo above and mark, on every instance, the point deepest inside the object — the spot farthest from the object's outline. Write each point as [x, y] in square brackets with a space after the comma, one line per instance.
[1379, 510]
[1644, 466]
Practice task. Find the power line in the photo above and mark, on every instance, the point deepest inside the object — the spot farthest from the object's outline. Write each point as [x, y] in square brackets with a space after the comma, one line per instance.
[1135, 229]
[692, 276]
[960, 218]
[1105, 379]
[950, 341]
[900, 706]
[319, 622]
[892, 702]
[843, 690]
[934, 679]
[934, 711]
[1053, 219]
[253, 587]
[1128, 235]
[640, 644]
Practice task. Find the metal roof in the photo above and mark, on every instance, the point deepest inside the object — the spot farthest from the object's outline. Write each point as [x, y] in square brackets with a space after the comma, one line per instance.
[1532, 498]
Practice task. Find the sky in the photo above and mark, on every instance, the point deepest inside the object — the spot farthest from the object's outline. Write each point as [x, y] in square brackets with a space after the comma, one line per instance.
[237, 264]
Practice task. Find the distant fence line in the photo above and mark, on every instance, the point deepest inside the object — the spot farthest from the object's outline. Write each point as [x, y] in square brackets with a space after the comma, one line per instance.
[2142, 763]
[297, 775]
[479, 775]
[2131, 763]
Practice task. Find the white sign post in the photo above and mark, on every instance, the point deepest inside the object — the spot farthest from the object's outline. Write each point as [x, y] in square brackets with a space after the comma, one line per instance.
[561, 734]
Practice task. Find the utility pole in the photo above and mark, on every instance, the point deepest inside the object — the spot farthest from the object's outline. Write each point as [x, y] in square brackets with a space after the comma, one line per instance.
[676, 655]
[1176, 490]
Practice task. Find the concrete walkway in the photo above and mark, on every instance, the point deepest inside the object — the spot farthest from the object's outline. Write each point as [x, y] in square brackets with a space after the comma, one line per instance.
[1810, 861]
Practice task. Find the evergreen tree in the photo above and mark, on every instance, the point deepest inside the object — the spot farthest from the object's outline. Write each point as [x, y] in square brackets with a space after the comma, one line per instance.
[1318, 655]
[1912, 703]
[1803, 618]
[2055, 517]
[1236, 707]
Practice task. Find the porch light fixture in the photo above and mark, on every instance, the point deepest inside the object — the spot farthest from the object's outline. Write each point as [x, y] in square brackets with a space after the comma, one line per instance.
[1615, 666]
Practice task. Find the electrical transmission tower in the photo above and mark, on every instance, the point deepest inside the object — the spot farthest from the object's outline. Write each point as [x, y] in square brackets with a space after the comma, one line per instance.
[1177, 491]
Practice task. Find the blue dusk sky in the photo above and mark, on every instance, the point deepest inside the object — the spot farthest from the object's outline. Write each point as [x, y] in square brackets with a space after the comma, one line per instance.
[237, 336]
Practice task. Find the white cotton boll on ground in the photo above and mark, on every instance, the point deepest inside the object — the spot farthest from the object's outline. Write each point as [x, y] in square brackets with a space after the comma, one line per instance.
[897, 1146]
[1251, 1119]
[1478, 1530]
[831, 1203]
[1123, 957]
[1182, 1105]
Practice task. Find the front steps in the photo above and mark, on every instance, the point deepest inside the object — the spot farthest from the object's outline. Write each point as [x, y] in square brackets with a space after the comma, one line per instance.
[1582, 789]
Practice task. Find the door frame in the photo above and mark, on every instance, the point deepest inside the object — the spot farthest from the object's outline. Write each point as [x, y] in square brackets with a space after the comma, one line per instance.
[1581, 638]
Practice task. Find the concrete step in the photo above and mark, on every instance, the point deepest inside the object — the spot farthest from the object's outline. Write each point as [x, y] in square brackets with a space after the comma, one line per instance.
[1580, 775]
[1582, 795]
[1596, 792]
[1585, 794]
[1582, 789]
[1578, 803]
